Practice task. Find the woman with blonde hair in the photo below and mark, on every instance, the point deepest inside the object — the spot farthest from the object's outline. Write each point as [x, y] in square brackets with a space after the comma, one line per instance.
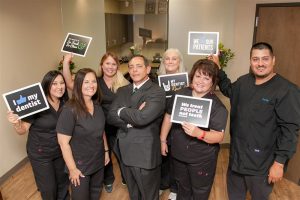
[110, 80]
[172, 63]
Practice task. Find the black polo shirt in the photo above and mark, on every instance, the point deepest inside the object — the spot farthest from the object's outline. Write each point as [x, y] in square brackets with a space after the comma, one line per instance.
[87, 137]
[42, 138]
[190, 149]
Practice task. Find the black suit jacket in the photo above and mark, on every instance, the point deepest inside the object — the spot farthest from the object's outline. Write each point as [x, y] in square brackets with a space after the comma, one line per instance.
[139, 146]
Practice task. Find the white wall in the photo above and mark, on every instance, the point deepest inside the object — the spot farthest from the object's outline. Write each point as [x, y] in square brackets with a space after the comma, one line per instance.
[86, 18]
[30, 39]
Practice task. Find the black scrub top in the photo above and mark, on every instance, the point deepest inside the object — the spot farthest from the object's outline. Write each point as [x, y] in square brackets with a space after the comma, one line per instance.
[190, 149]
[107, 99]
[42, 141]
[87, 137]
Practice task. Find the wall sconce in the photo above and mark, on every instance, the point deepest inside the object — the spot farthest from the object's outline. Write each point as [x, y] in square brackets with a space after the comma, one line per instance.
[126, 4]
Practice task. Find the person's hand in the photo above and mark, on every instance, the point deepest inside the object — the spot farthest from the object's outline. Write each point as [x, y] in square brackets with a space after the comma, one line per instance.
[142, 105]
[190, 129]
[74, 176]
[13, 118]
[275, 172]
[68, 58]
[164, 148]
[215, 59]
[107, 159]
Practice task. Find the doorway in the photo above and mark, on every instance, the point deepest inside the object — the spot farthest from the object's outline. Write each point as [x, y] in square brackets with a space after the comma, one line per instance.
[279, 25]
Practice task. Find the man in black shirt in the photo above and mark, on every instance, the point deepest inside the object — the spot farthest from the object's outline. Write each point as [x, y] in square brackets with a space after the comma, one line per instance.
[265, 119]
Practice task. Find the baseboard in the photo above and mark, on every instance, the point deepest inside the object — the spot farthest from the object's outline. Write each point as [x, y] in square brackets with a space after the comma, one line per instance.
[13, 170]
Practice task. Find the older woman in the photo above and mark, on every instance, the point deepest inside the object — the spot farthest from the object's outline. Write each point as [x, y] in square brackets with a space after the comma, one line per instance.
[172, 63]
[42, 146]
[80, 130]
[195, 149]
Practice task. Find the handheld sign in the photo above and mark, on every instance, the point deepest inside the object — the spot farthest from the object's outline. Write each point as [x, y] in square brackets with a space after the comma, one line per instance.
[173, 82]
[27, 100]
[191, 109]
[76, 44]
[203, 43]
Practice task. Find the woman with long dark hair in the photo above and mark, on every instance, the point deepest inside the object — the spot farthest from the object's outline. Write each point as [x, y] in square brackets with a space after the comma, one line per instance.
[42, 147]
[82, 139]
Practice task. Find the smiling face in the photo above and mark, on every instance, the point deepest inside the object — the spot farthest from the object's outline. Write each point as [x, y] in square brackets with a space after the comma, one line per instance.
[137, 70]
[202, 83]
[89, 85]
[171, 62]
[57, 88]
[109, 67]
[262, 63]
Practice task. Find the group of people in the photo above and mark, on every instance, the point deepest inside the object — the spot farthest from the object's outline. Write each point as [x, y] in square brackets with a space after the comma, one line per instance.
[71, 143]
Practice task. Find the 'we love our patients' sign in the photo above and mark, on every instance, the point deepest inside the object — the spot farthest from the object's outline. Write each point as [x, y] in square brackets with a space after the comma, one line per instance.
[203, 43]
[27, 100]
[191, 109]
[76, 44]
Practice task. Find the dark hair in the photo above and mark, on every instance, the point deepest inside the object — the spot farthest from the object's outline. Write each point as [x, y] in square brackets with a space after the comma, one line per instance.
[260, 46]
[146, 61]
[208, 68]
[77, 100]
[47, 82]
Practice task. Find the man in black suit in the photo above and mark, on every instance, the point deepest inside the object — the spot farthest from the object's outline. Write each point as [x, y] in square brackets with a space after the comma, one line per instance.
[137, 111]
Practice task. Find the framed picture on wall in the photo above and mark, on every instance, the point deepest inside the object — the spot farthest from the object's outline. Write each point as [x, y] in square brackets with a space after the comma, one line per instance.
[150, 7]
[162, 6]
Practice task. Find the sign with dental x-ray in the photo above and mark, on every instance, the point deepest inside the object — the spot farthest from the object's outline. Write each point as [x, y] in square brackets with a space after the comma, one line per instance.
[76, 44]
[173, 82]
[27, 100]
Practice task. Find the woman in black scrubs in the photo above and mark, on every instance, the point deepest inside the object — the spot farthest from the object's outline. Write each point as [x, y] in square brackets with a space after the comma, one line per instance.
[42, 147]
[110, 80]
[195, 149]
[81, 136]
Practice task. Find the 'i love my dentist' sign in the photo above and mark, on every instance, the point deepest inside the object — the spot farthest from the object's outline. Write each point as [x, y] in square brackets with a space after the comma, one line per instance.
[173, 82]
[27, 100]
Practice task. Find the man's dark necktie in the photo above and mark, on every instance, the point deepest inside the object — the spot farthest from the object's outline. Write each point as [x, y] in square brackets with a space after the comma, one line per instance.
[134, 90]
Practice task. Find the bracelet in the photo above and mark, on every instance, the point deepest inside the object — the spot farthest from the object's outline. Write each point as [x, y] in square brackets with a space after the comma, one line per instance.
[163, 141]
[202, 136]
[106, 150]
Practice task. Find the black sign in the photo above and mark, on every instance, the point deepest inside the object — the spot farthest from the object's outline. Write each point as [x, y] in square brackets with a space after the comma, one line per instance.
[203, 43]
[173, 82]
[76, 44]
[145, 33]
[27, 100]
[191, 109]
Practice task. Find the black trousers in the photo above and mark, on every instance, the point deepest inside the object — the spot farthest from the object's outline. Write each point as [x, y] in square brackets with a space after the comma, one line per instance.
[90, 186]
[167, 173]
[109, 176]
[143, 184]
[194, 180]
[238, 184]
[51, 179]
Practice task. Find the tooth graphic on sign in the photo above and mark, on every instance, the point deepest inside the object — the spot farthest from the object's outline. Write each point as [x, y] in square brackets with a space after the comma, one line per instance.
[21, 100]
[167, 87]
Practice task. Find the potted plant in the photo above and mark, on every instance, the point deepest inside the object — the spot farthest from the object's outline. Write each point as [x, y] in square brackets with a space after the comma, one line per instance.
[72, 66]
[225, 55]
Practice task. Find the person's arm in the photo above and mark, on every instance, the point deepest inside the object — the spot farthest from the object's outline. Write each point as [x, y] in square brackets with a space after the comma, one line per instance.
[106, 149]
[165, 129]
[66, 150]
[66, 71]
[287, 111]
[210, 137]
[20, 126]
[153, 108]
[112, 116]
